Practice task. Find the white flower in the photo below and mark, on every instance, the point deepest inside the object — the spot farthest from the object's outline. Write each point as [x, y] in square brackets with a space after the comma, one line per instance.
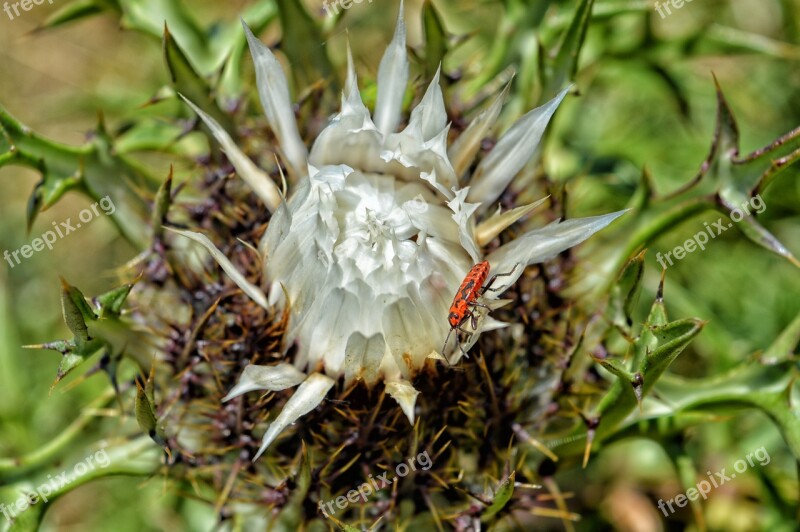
[378, 232]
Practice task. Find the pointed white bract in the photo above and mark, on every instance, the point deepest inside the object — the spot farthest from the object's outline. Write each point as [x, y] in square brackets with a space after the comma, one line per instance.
[227, 266]
[273, 89]
[496, 224]
[512, 152]
[392, 80]
[264, 187]
[544, 244]
[405, 395]
[463, 151]
[377, 235]
[307, 397]
[430, 116]
[270, 378]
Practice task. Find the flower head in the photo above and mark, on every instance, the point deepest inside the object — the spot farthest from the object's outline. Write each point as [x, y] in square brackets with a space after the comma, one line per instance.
[379, 230]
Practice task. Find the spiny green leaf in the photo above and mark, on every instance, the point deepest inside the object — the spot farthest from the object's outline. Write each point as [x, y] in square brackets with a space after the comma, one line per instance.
[344, 526]
[616, 367]
[76, 312]
[566, 62]
[150, 135]
[672, 340]
[644, 229]
[73, 356]
[30, 519]
[230, 86]
[69, 362]
[85, 168]
[291, 516]
[188, 82]
[71, 12]
[150, 16]
[656, 317]
[144, 411]
[162, 203]
[726, 134]
[146, 417]
[303, 44]
[435, 39]
[501, 497]
[626, 292]
[734, 185]
[782, 349]
[749, 385]
[756, 233]
[110, 303]
[641, 199]
[618, 403]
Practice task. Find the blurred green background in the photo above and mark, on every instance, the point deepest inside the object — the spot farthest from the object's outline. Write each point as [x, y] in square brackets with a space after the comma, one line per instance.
[643, 103]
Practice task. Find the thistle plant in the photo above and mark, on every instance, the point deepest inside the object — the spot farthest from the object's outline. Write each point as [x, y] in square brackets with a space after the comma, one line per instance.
[276, 344]
[366, 253]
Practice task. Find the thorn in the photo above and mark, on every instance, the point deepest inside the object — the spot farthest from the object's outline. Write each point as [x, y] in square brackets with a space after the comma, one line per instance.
[660, 293]
[536, 444]
[588, 450]
[591, 424]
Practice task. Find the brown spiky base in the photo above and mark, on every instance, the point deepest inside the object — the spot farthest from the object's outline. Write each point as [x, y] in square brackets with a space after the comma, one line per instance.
[472, 419]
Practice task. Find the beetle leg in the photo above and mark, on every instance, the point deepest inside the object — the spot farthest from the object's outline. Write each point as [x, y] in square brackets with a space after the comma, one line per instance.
[487, 287]
[458, 339]
[474, 321]
[460, 345]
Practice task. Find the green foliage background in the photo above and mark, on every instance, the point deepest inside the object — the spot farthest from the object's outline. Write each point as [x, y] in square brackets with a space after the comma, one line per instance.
[647, 102]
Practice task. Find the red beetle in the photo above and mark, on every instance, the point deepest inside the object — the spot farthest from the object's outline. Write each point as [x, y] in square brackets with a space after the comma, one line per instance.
[466, 300]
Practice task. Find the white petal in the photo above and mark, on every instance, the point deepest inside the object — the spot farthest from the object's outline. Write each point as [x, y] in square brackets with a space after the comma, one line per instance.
[464, 149]
[305, 399]
[261, 183]
[402, 324]
[513, 151]
[432, 179]
[436, 149]
[405, 395]
[392, 80]
[331, 332]
[247, 287]
[272, 378]
[488, 229]
[463, 215]
[486, 323]
[542, 244]
[274, 93]
[362, 359]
